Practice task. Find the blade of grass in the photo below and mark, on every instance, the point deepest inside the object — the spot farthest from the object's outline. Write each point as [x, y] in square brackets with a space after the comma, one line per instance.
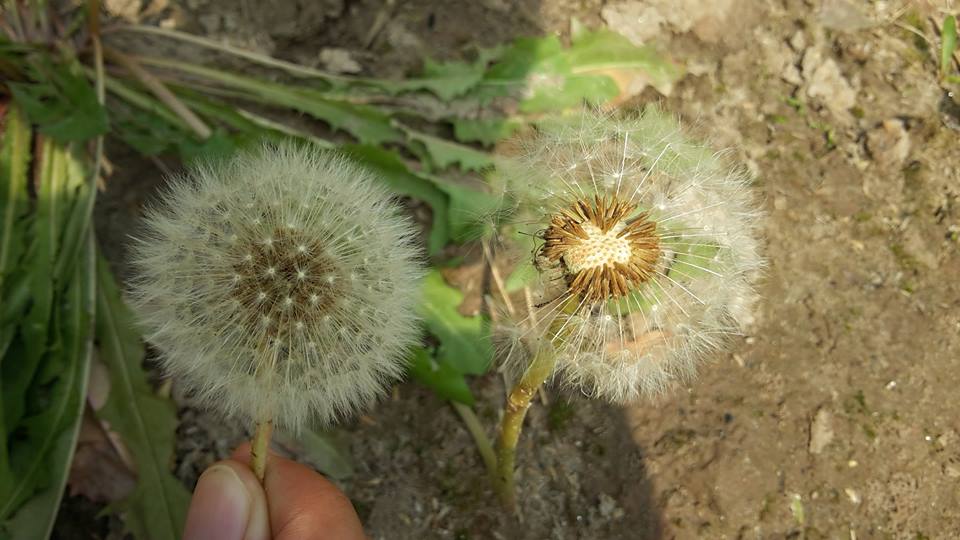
[367, 124]
[14, 160]
[158, 89]
[262, 59]
[948, 40]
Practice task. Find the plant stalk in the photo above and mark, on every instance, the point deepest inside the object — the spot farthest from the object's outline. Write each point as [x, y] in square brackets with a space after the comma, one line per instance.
[259, 448]
[518, 402]
[480, 439]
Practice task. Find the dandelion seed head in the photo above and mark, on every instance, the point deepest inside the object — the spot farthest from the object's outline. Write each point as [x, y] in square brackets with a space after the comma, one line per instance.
[252, 315]
[648, 250]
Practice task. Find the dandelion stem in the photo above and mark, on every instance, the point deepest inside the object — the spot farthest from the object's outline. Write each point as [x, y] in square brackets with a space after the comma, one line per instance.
[259, 448]
[518, 402]
[480, 439]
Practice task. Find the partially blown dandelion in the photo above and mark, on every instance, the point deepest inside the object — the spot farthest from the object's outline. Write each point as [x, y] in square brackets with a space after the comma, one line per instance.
[649, 247]
[279, 285]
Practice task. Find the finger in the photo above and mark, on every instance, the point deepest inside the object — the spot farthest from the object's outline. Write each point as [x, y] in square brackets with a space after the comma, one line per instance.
[303, 504]
[228, 504]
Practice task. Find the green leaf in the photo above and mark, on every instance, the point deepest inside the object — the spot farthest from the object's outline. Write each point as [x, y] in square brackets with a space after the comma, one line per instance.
[54, 431]
[440, 377]
[446, 79]
[598, 67]
[369, 125]
[568, 91]
[320, 450]
[948, 39]
[472, 213]
[14, 161]
[465, 344]
[146, 422]
[62, 103]
[392, 170]
[219, 145]
[486, 131]
[524, 274]
[441, 153]
[53, 201]
[607, 52]
[146, 132]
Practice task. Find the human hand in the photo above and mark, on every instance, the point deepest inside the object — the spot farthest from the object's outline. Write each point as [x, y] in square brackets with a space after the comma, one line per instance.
[296, 504]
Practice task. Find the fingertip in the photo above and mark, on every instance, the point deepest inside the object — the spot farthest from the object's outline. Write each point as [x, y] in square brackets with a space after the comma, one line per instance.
[304, 504]
[228, 503]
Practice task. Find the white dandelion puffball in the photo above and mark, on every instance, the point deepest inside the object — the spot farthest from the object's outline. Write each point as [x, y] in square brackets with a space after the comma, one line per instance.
[280, 284]
[648, 246]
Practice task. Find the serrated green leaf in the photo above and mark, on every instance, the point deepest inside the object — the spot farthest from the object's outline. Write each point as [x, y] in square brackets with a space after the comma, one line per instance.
[36, 275]
[465, 344]
[54, 431]
[146, 132]
[526, 56]
[598, 67]
[145, 422]
[443, 379]
[441, 153]
[44, 371]
[369, 125]
[62, 103]
[607, 52]
[948, 44]
[391, 169]
[447, 80]
[486, 131]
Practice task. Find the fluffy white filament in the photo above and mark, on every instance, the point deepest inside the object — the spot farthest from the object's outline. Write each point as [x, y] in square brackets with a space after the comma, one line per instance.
[280, 284]
[700, 291]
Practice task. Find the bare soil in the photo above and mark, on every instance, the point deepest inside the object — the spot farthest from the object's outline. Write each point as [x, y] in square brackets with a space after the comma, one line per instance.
[836, 417]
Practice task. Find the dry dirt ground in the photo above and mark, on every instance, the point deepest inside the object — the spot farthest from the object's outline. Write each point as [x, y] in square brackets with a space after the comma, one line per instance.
[835, 417]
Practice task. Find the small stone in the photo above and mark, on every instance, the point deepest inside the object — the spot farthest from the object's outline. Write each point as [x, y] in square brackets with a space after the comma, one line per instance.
[339, 61]
[608, 507]
[821, 431]
[844, 15]
[798, 41]
[637, 21]
[889, 143]
[826, 83]
[853, 495]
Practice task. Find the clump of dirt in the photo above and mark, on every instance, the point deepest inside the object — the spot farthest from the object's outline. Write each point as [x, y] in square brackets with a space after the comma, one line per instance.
[836, 415]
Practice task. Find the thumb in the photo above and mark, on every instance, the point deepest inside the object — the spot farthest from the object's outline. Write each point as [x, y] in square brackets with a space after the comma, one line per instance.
[303, 504]
[228, 504]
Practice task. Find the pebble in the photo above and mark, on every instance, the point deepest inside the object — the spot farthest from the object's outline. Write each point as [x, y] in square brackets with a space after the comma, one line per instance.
[826, 83]
[889, 143]
[821, 431]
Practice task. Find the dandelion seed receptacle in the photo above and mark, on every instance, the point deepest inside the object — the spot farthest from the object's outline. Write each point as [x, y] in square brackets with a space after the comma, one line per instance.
[279, 286]
[646, 256]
